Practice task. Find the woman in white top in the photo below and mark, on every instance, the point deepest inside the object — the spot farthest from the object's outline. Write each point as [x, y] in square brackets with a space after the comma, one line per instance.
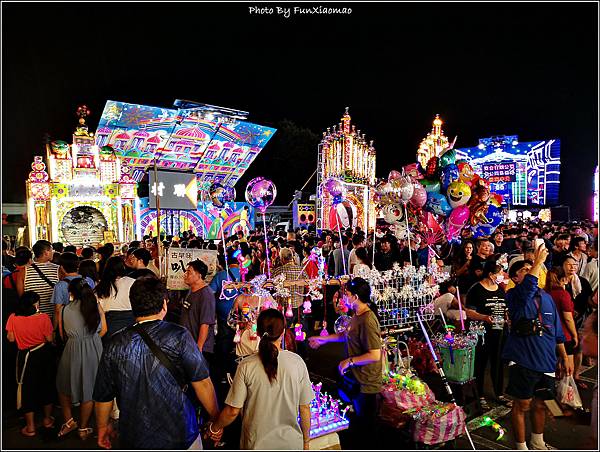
[113, 295]
[364, 264]
[272, 386]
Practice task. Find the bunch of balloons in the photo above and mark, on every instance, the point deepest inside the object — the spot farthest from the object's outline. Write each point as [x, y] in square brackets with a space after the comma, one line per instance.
[393, 194]
[449, 188]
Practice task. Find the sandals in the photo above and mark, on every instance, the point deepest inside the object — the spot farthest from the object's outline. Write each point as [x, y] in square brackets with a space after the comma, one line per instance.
[26, 432]
[67, 428]
[84, 433]
[505, 401]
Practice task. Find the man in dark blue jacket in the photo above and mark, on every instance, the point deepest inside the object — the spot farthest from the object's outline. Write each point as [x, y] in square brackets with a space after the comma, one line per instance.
[534, 340]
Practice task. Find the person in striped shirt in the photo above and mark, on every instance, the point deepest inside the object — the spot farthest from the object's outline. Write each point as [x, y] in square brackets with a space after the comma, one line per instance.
[31, 279]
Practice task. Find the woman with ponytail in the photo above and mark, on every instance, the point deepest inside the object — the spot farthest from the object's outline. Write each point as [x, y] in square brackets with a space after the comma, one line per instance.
[361, 371]
[272, 386]
[84, 325]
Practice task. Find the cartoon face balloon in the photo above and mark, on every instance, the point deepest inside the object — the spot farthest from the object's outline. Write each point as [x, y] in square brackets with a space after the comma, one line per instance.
[393, 214]
[493, 217]
[431, 185]
[336, 188]
[456, 221]
[403, 188]
[260, 193]
[394, 175]
[458, 194]
[412, 170]
[344, 213]
[216, 193]
[447, 158]
[438, 204]
[466, 172]
[449, 174]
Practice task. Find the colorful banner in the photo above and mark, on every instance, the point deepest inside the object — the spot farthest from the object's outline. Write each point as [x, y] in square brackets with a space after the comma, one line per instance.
[178, 260]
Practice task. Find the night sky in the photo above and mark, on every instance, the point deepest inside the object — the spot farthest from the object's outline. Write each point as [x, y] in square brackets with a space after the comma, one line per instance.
[487, 69]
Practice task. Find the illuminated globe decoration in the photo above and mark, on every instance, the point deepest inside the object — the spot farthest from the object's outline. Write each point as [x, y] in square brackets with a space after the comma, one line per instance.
[260, 193]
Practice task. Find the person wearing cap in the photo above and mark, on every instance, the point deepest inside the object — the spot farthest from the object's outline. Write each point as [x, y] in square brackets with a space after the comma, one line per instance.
[535, 338]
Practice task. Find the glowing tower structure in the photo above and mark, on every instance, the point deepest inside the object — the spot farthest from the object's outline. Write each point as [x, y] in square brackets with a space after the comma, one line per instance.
[434, 144]
[345, 153]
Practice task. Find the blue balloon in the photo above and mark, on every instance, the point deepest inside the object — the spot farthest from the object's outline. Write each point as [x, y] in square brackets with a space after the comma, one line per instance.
[450, 174]
[494, 216]
[438, 204]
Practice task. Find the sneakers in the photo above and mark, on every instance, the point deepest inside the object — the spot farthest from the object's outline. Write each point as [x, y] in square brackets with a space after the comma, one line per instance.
[545, 446]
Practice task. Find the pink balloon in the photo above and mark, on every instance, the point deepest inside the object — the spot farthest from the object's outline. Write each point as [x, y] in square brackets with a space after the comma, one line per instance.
[457, 219]
[419, 197]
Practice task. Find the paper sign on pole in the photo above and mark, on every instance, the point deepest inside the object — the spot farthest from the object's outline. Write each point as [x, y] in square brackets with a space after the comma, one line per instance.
[178, 260]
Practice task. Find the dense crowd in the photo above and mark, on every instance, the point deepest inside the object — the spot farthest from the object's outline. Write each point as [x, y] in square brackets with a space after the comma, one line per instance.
[89, 324]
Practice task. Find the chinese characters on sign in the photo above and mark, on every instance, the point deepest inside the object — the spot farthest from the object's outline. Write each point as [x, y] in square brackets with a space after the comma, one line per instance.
[177, 261]
[499, 172]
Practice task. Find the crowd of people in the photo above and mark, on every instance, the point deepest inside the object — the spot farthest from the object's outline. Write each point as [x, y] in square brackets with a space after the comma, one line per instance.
[87, 326]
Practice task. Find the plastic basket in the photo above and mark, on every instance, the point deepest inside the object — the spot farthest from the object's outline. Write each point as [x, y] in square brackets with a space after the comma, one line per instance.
[464, 363]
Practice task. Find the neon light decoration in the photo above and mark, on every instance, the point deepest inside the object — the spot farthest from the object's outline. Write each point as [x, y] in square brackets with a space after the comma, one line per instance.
[220, 148]
[434, 144]
[345, 153]
[536, 168]
[595, 206]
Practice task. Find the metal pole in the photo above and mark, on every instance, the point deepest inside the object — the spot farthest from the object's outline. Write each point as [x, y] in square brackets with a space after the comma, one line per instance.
[408, 234]
[266, 245]
[158, 241]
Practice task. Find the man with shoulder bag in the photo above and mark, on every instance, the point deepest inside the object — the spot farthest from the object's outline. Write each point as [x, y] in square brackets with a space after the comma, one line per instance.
[534, 340]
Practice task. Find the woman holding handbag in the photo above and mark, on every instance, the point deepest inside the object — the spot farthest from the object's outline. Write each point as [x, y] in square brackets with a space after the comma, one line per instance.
[362, 369]
[32, 331]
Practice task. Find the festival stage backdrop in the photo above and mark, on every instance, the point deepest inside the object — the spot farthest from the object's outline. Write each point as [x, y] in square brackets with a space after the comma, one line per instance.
[204, 222]
[180, 140]
[523, 173]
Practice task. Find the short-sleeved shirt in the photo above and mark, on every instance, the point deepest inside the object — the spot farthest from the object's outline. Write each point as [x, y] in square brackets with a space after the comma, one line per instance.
[29, 331]
[60, 295]
[564, 303]
[154, 412]
[271, 409]
[119, 300]
[488, 302]
[33, 281]
[199, 308]
[364, 334]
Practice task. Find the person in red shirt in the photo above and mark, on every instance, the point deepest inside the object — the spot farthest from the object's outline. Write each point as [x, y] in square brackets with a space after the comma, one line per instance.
[555, 286]
[32, 331]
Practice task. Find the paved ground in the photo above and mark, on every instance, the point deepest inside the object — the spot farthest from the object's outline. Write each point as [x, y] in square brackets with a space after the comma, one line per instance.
[565, 433]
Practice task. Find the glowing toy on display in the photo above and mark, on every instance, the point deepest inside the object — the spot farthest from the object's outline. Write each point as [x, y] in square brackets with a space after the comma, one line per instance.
[522, 173]
[345, 154]
[86, 192]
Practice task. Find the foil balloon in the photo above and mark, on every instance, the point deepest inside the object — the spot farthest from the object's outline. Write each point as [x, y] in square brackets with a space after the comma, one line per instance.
[216, 193]
[447, 158]
[432, 171]
[419, 197]
[456, 221]
[393, 214]
[493, 217]
[260, 193]
[496, 199]
[394, 175]
[466, 172]
[336, 188]
[345, 212]
[412, 170]
[438, 204]
[431, 186]
[382, 192]
[341, 324]
[403, 188]
[229, 194]
[458, 194]
[450, 174]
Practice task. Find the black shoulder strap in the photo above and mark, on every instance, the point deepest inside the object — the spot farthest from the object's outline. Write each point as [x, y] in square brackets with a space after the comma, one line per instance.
[162, 357]
[232, 276]
[44, 277]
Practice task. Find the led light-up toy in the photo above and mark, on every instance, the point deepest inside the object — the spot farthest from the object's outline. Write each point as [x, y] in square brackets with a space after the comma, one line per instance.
[300, 335]
[325, 414]
[448, 337]
[244, 263]
[488, 421]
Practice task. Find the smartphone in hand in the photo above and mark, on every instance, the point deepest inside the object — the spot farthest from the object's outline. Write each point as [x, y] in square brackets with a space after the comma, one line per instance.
[539, 243]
